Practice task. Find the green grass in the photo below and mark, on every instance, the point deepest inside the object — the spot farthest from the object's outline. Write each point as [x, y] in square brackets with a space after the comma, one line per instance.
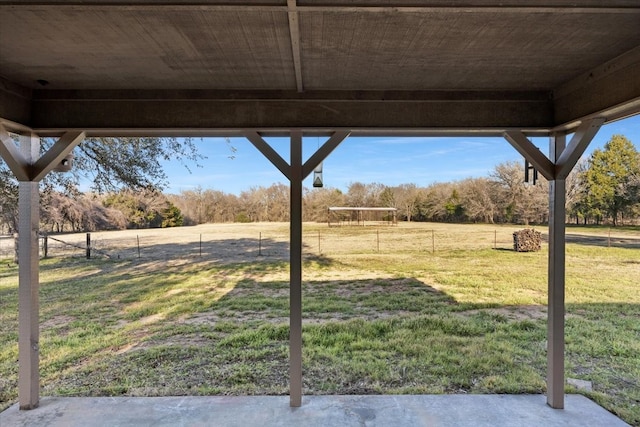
[469, 320]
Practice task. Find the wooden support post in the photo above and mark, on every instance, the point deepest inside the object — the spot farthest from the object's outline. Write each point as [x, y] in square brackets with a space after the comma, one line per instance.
[556, 291]
[295, 172]
[28, 282]
[295, 290]
[29, 168]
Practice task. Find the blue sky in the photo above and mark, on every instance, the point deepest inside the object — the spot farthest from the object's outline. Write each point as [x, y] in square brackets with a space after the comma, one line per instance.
[390, 161]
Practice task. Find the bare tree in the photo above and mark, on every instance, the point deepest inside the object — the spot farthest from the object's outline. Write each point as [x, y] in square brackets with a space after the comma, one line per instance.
[521, 202]
[408, 197]
[479, 197]
[319, 200]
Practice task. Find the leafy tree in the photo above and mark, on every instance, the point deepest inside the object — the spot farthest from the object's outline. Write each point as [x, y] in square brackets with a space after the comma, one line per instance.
[610, 183]
[242, 217]
[172, 217]
[453, 206]
[143, 209]
[110, 164]
[8, 199]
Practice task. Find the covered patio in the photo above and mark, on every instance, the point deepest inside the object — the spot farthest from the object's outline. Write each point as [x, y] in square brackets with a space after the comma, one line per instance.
[333, 69]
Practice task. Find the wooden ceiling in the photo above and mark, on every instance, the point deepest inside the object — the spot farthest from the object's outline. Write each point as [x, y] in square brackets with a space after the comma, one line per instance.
[373, 66]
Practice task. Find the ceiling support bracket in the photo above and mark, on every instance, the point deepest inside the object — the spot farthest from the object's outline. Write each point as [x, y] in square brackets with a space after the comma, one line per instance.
[11, 154]
[530, 152]
[564, 163]
[577, 146]
[25, 171]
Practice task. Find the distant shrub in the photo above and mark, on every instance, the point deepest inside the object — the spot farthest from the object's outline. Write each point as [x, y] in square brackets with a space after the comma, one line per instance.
[242, 217]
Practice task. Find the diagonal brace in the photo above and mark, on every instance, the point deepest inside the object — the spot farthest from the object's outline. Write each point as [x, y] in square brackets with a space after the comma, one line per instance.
[530, 152]
[269, 153]
[55, 154]
[12, 156]
[577, 146]
[323, 152]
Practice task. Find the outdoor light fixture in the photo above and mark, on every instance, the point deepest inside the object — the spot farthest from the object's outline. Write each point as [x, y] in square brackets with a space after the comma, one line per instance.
[65, 164]
[317, 176]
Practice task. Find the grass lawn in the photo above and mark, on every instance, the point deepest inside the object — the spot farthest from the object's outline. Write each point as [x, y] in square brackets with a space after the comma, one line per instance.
[383, 313]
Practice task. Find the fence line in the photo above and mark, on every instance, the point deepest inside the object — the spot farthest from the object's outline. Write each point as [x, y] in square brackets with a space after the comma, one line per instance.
[254, 242]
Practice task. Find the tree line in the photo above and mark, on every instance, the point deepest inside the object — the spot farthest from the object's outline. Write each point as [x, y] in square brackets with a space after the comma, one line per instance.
[604, 188]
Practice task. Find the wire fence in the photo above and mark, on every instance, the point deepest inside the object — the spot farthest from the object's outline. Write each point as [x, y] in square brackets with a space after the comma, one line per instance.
[243, 242]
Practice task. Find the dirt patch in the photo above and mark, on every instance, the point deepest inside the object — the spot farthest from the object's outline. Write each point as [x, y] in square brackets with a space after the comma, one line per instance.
[60, 323]
[151, 319]
[516, 312]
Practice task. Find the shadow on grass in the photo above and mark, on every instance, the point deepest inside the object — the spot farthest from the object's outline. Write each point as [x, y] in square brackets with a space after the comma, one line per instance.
[602, 241]
[228, 251]
[148, 327]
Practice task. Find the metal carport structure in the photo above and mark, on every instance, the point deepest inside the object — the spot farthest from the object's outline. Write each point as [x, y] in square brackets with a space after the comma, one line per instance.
[70, 69]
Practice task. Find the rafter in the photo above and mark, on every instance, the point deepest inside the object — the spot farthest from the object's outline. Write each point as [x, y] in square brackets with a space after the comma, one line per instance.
[294, 32]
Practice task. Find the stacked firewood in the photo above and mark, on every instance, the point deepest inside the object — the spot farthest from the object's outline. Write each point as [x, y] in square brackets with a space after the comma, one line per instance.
[527, 240]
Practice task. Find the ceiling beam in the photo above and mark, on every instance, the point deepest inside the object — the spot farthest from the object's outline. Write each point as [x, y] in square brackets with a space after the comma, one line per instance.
[189, 111]
[611, 90]
[294, 32]
[490, 7]
[15, 101]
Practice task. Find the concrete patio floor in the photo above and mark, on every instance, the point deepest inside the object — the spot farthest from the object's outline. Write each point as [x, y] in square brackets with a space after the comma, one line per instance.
[343, 411]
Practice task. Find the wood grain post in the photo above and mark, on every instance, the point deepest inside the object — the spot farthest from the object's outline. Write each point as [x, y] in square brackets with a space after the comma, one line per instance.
[295, 290]
[556, 277]
[28, 283]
